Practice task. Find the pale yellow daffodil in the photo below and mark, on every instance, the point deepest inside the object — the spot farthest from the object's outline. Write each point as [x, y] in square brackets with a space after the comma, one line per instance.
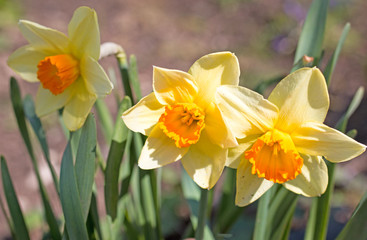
[66, 67]
[283, 139]
[182, 120]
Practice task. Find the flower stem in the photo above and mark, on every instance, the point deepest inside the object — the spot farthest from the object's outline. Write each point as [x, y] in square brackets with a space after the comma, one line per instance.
[199, 235]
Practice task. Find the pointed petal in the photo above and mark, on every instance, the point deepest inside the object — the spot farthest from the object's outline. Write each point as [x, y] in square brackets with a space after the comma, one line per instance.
[24, 62]
[249, 186]
[245, 111]
[204, 162]
[173, 86]
[236, 154]
[144, 115]
[46, 102]
[217, 129]
[159, 150]
[78, 107]
[313, 180]
[320, 140]
[302, 96]
[96, 80]
[47, 39]
[213, 70]
[84, 33]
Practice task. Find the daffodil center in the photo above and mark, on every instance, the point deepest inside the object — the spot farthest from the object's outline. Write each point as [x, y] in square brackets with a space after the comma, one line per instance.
[58, 72]
[183, 122]
[274, 157]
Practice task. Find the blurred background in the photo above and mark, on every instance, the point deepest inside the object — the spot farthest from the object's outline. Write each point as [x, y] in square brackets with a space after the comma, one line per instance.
[173, 34]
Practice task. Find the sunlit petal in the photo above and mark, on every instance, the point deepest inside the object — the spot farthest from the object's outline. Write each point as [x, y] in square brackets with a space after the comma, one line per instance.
[249, 186]
[236, 154]
[96, 79]
[46, 102]
[213, 70]
[216, 128]
[84, 33]
[78, 107]
[173, 86]
[24, 62]
[246, 111]
[159, 150]
[313, 179]
[44, 38]
[144, 115]
[302, 96]
[204, 162]
[320, 140]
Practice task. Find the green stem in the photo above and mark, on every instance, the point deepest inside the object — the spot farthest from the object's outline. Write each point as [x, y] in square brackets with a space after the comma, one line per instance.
[262, 216]
[199, 235]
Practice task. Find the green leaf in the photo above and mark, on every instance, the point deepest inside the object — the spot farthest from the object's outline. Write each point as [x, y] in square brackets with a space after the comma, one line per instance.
[8, 221]
[354, 104]
[85, 163]
[20, 116]
[262, 215]
[134, 79]
[332, 62]
[114, 160]
[29, 111]
[20, 229]
[70, 201]
[105, 118]
[192, 194]
[124, 71]
[312, 35]
[93, 213]
[356, 227]
[227, 213]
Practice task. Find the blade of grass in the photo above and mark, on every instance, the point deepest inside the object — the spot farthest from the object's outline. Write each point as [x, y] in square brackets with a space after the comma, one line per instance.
[114, 159]
[18, 108]
[20, 228]
[70, 200]
[312, 35]
[85, 163]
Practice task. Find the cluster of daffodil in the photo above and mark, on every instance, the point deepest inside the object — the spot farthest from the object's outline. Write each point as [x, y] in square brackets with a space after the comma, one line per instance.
[202, 117]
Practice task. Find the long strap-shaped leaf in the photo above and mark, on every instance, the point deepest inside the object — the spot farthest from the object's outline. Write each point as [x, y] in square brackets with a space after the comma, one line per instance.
[20, 228]
[70, 200]
[114, 159]
[20, 116]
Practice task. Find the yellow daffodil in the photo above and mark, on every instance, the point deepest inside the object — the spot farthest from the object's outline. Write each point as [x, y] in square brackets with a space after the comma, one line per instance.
[182, 120]
[66, 67]
[283, 139]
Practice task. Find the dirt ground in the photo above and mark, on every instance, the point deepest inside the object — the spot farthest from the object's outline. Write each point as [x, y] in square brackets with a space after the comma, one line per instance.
[173, 34]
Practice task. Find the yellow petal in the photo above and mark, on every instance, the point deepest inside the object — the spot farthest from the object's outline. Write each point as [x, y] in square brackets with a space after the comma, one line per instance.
[159, 150]
[24, 62]
[320, 140]
[249, 186]
[216, 128]
[213, 70]
[204, 162]
[46, 102]
[144, 115]
[246, 111]
[84, 33]
[78, 107]
[96, 80]
[236, 154]
[173, 86]
[302, 96]
[313, 180]
[44, 38]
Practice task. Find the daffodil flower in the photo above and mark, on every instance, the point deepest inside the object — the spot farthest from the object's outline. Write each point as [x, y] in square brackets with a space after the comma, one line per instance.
[182, 120]
[283, 139]
[66, 67]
